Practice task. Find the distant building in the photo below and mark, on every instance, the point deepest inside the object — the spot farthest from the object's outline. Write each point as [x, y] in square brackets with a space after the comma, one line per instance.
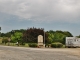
[72, 42]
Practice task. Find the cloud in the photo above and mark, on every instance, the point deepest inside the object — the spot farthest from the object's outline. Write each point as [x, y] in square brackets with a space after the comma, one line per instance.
[43, 10]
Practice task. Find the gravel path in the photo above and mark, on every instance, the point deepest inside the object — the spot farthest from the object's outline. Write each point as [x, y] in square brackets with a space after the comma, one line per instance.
[22, 53]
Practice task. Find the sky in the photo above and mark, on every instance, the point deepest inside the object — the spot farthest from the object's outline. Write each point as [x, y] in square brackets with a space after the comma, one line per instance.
[53, 15]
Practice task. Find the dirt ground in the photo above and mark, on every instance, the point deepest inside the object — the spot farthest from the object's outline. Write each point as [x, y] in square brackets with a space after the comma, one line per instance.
[72, 51]
[25, 53]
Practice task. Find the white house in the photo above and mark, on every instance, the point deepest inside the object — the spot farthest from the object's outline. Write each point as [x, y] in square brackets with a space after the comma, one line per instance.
[72, 42]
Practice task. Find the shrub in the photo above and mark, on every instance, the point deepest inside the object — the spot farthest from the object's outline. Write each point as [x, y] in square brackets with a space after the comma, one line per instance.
[5, 40]
[56, 45]
[26, 45]
[32, 44]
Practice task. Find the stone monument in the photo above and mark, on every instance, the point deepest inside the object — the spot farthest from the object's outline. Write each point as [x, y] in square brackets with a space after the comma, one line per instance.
[40, 41]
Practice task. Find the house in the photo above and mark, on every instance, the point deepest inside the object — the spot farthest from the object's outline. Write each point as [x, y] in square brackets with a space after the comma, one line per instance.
[72, 42]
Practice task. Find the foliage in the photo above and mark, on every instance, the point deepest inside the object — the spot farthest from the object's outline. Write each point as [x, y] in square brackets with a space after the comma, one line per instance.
[31, 35]
[56, 45]
[5, 40]
[50, 37]
[1, 39]
[32, 44]
[58, 36]
[16, 37]
[26, 45]
[78, 36]
[8, 34]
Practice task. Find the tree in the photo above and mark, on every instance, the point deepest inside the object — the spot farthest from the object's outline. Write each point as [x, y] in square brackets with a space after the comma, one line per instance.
[5, 40]
[78, 36]
[58, 36]
[68, 34]
[50, 37]
[31, 35]
[17, 37]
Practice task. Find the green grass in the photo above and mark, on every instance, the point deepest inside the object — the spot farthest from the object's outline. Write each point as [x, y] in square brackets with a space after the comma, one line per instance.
[1, 39]
[14, 44]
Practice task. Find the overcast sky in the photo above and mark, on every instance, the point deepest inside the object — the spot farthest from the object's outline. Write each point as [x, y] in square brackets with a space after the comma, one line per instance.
[48, 14]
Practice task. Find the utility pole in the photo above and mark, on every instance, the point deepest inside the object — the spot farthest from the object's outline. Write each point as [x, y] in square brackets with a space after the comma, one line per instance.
[0, 31]
[44, 38]
[0, 28]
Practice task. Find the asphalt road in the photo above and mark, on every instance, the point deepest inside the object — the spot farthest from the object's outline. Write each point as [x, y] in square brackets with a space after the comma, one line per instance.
[22, 53]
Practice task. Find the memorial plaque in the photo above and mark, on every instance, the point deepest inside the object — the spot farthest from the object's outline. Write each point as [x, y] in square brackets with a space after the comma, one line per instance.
[40, 40]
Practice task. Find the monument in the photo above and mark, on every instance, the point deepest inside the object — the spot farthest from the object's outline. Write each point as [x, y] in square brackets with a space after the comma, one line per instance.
[40, 41]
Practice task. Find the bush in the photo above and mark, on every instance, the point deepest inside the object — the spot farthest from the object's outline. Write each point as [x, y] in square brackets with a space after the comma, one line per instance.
[5, 40]
[26, 45]
[57, 45]
[32, 44]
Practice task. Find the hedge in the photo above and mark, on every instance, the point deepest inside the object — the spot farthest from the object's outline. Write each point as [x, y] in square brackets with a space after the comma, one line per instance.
[32, 44]
[56, 45]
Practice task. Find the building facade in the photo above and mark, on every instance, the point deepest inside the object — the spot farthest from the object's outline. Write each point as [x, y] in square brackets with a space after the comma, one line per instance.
[72, 42]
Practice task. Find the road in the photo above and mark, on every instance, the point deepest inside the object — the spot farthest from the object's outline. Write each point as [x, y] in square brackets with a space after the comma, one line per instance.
[22, 53]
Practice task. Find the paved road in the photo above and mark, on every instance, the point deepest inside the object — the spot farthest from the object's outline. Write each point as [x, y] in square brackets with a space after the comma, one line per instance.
[21, 53]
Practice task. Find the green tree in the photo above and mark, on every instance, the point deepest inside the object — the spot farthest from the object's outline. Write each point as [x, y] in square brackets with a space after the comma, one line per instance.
[50, 37]
[58, 36]
[4, 40]
[68, 34]
[17, 37]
